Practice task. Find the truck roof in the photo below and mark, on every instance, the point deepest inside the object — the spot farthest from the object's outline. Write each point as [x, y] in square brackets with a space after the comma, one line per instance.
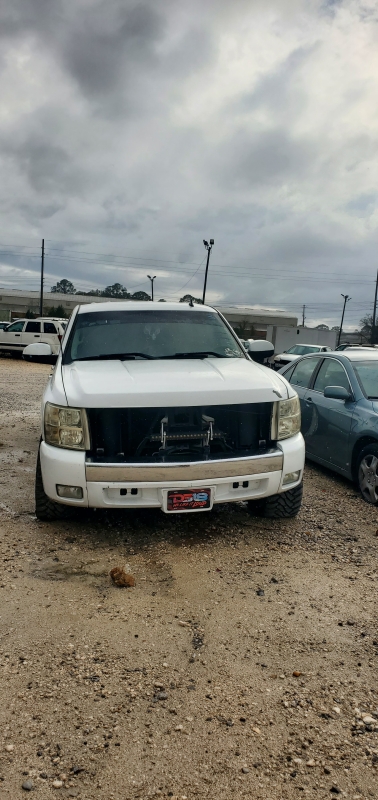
[142, 305]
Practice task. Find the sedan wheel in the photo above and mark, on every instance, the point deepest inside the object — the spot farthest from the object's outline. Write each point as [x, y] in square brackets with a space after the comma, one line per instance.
[368, 475]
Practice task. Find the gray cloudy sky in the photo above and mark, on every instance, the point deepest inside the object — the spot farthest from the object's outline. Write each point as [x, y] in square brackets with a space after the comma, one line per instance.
[139, 128]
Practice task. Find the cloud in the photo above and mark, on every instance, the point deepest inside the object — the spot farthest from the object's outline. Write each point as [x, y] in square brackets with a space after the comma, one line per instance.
[105, 58]
[248, 160]
[140, 128]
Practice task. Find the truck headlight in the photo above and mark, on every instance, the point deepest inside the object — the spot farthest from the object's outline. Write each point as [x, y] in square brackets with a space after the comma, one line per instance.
[66, 427]
[288, 418]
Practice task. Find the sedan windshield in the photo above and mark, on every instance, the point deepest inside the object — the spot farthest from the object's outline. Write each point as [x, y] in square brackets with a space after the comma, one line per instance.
[367, 374]
[303, 349]
[143, 334]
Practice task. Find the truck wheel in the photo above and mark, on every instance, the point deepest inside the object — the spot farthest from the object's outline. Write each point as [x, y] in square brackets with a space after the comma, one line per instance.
[278, 506]
[45, 508]
[367, 473]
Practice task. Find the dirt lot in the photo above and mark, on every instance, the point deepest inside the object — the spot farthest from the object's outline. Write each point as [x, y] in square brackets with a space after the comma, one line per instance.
[242, 664]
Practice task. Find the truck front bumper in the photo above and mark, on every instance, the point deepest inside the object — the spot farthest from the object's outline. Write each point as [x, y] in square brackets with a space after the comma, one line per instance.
[145, 485]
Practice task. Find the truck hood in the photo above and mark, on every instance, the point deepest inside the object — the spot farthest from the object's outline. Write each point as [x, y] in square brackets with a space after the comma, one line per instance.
[286, 357]
[189, 382]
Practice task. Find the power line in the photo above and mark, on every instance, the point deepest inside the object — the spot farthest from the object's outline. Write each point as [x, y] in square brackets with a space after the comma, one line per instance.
[190, 263]
[264, 276]
[279, 275]
[21, 255]
[145, 258]
[178, 291]
[278, 270]
[114, 255]
[28, 246]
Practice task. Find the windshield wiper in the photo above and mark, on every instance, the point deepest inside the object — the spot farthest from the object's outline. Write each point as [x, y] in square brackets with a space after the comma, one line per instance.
[125, 356]
[114, 356]
[371, 397]
[196, 354]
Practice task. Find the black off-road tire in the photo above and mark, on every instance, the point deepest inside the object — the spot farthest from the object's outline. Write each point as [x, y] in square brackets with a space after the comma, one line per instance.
[45, 509]
[279, 506]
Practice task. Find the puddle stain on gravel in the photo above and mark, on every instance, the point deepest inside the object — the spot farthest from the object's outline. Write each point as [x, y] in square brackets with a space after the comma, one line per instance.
[67, 572]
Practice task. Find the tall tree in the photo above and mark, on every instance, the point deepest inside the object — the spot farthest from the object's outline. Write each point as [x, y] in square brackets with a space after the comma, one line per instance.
[64, 287]
[140, 296]
[116, 290]
[189, 298]
[366, 324]
[59, 312]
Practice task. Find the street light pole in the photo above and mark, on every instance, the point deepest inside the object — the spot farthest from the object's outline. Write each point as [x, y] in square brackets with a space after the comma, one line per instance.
[209, 248]
[372, 341]
[346, 299]
[42, 276]
[152, 285]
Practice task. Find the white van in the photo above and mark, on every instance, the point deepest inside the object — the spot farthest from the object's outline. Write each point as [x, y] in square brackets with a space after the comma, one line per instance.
[19, 334]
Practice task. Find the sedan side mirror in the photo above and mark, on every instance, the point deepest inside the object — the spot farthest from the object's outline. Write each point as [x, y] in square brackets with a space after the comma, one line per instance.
[260, 349]
[337, 393]
[40, 351]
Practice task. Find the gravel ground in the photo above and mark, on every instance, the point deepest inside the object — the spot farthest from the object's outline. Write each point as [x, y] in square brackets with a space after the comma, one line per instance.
[242, 663]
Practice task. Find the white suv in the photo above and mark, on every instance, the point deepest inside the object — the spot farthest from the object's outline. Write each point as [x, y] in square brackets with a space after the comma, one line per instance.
[159, 405]
[19, 334]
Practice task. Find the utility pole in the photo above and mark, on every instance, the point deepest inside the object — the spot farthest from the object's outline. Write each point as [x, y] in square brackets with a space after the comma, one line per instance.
[209, 248]
[372, 341]
[303, 316]
[152, 285]
[42, 271]
[346, 300]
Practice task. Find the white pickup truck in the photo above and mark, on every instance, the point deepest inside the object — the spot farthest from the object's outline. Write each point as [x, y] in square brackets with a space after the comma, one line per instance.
[158, 405]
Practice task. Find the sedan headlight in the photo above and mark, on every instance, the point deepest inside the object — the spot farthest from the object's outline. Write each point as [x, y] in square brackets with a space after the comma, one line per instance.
[66, 427]
[288, 418]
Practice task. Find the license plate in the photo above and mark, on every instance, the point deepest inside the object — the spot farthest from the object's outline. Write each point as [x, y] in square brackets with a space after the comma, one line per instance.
[188, 500]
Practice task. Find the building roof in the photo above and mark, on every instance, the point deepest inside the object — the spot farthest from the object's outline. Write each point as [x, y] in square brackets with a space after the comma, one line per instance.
[257, 314]
[12, 295]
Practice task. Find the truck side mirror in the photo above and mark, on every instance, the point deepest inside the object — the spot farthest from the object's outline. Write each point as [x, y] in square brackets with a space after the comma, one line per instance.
[260, 349]
[40, 351]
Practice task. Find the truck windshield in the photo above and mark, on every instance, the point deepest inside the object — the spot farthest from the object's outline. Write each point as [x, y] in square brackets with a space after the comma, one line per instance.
[150, 334]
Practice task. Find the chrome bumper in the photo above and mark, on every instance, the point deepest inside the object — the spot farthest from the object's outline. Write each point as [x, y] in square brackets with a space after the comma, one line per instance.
[191, 471]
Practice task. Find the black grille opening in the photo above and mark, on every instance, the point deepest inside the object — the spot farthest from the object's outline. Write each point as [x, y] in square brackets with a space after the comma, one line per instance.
[194, 433]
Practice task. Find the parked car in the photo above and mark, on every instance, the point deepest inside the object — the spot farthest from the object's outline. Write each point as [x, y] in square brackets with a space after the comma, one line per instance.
[3, 325]
[295, 352]
[163, 408]
[338, 393]
[356, 346]
[16, 336]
